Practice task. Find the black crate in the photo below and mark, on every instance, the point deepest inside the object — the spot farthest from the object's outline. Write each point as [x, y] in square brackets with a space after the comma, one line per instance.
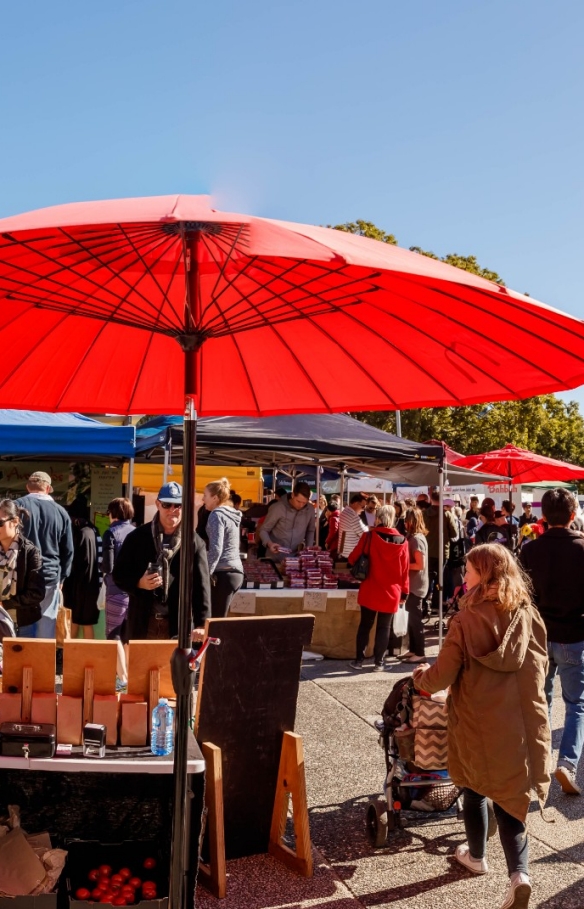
[84, 855]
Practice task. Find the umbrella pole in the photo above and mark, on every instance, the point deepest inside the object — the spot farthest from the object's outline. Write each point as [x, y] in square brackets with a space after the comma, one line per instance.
[440, 552]
[166, 459]
[182, 677]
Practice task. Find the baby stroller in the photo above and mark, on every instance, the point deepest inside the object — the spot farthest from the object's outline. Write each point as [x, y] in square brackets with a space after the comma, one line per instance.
[451, 607]
[413, 736]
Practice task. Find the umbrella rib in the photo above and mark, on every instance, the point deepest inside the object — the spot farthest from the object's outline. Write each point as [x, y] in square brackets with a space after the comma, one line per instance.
[78, 303]
[280, 276]
[230, 252]
[164, 293]
[280, 301]
[139, 374]
[166, 242]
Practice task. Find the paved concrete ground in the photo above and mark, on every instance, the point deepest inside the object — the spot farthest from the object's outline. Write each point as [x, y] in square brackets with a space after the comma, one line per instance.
[344, 768]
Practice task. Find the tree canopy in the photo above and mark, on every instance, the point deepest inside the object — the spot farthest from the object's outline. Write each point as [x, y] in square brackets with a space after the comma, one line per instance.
[545, 424]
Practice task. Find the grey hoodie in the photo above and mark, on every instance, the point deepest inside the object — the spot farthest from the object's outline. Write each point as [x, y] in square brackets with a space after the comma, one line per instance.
[288, 527]
[223, 528]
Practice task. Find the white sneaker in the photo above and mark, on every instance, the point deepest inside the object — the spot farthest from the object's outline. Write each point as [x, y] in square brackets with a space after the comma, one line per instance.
[518, 892]
[567, 780]
[462, 855]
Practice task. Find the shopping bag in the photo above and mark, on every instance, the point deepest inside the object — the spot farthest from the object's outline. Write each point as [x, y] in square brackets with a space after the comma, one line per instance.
[63, 631]
[400, 621]
[101, 596]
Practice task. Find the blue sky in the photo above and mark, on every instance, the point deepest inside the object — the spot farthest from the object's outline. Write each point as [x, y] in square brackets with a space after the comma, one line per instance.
[458, 126]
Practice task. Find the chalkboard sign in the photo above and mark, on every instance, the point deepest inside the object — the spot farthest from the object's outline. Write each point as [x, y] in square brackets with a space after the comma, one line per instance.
[247, 699]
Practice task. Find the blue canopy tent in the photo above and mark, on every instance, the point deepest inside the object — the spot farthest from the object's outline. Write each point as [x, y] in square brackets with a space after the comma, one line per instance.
[26, 433]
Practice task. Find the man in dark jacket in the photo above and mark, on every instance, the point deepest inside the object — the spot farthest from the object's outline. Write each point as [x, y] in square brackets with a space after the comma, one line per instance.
[48, 526]
[148, 569]
[555, 563]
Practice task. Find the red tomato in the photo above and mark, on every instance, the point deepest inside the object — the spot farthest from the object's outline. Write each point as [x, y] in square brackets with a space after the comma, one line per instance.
[96, 894]
[117, 879]
[103, 884]
[125, 874]
[150, 863]
[134, 882]
[93, 874]
[82, 894]
[120, 901]
[106, 898]
[148, 885]
[128, 892]
[149, 894]
[105, 870]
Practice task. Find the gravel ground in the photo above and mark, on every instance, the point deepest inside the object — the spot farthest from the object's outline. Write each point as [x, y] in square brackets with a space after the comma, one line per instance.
[344, 768]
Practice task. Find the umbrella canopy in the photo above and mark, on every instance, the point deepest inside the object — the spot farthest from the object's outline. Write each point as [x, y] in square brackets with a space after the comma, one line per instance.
[522, 466]
[98, 299]
[286, 317]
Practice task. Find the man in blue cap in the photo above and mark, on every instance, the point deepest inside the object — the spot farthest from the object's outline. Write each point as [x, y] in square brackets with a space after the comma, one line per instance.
[148, 569]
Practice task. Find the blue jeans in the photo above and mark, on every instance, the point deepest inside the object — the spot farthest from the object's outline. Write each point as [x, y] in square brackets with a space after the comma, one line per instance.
[46, 627]
[568, 661]
[512, 832]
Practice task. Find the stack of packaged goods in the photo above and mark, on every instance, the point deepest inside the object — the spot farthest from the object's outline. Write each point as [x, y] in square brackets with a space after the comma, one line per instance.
[261, 575]
[310, 570]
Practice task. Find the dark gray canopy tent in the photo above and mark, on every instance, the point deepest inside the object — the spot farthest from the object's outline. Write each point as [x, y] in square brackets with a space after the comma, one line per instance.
[334, 441]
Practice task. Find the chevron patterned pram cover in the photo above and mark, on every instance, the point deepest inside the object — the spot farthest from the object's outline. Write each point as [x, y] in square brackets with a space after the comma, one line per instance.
[429, 719]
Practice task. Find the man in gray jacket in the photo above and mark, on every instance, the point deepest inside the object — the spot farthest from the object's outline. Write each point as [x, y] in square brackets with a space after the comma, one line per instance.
[289, 524]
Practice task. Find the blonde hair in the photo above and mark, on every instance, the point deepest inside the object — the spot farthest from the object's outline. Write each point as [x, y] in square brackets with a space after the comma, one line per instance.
[414, 521]
[385, 515]
[501, 579]
[220, 488]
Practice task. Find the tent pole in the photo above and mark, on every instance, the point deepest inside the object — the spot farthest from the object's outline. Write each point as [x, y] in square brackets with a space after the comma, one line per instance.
[182, 678]
[398, 430]
[316, 514]
[166, 459]
[440, 551]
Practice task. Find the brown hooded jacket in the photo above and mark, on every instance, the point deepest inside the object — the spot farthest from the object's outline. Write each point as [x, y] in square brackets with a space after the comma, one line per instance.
[495, 663]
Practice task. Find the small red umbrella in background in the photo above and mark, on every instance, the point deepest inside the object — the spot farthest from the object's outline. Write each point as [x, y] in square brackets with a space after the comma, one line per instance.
[519, 465]
[146, 305]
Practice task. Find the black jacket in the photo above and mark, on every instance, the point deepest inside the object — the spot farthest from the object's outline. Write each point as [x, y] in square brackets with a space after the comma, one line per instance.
[137, 550]
[555, 563]
[30, 584]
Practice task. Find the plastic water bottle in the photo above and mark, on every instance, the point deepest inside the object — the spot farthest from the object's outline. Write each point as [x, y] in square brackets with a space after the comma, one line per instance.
[162, 736]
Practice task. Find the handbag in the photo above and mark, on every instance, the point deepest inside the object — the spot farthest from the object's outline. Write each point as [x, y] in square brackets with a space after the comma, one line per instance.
[400, 621]
[360, 569]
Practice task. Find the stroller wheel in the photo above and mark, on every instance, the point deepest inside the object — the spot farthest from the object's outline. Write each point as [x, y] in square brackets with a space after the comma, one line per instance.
[376, 820]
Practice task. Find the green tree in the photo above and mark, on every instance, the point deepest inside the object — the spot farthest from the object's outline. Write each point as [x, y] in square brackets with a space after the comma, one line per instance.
[365, 229]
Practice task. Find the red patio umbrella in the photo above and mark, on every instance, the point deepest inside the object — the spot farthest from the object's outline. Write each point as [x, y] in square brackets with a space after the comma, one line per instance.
[519, 465]
[146, 305]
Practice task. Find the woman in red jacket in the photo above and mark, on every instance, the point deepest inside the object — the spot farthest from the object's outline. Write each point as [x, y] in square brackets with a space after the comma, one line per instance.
[385, 585]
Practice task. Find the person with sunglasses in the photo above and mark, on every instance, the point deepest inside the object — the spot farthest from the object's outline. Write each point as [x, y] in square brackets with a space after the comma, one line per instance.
[148, 569]
[22, 585]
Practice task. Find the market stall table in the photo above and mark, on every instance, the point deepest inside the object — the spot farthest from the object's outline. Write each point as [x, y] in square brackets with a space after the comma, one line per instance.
[125, 796]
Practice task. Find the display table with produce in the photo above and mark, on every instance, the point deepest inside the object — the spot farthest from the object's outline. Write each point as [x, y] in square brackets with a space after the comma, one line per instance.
[78, 761]
[124, 798]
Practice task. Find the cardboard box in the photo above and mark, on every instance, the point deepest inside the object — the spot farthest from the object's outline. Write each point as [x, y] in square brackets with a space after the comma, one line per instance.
[44, 708]
[10, 708]
[106, 708]
[69, 720]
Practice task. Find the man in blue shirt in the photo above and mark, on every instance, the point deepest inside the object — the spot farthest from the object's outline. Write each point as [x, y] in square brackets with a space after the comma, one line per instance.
[48, 526]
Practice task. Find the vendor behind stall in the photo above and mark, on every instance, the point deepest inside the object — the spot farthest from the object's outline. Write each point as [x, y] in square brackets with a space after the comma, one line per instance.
[289, 524]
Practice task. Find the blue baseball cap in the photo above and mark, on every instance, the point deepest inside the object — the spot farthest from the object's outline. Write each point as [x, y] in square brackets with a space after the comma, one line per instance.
[171, 493]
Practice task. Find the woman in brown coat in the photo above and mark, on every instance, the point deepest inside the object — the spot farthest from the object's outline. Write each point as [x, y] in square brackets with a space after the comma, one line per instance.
[494, 659]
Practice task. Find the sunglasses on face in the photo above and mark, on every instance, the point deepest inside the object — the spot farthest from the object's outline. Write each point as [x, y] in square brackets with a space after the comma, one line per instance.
[167, 505]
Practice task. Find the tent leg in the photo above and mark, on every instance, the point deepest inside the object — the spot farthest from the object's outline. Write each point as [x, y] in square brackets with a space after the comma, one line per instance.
[166, 462]
[316, 515]
[440, 553]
